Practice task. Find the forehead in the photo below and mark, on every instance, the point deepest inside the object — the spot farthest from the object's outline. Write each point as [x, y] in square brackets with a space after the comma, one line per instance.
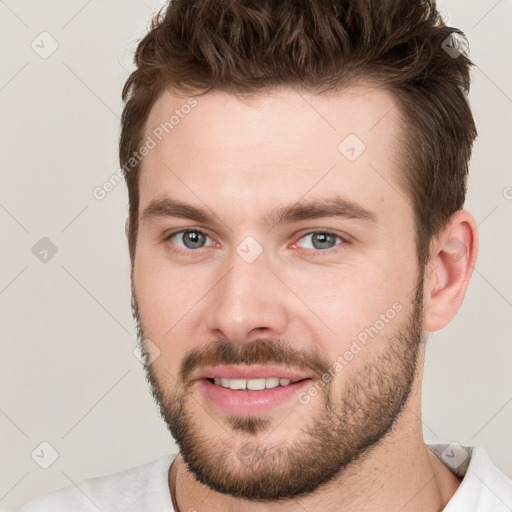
[366, 110]
[235, 153]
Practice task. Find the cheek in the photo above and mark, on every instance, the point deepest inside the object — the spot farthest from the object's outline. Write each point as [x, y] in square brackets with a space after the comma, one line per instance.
[168, 295]
[363, 310]
[350, 298]
[156, 295]
[160, 312]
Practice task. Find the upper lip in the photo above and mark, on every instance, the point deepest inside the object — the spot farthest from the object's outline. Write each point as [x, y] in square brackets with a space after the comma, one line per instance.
[249, 372]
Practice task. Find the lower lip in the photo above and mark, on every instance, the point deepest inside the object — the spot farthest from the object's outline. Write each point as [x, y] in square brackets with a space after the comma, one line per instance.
[243, 402]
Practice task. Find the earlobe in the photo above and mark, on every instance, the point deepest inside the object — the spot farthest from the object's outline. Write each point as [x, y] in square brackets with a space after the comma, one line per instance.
[453, 257]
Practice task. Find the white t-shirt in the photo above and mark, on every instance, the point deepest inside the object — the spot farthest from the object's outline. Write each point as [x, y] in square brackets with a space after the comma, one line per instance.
[484, 487]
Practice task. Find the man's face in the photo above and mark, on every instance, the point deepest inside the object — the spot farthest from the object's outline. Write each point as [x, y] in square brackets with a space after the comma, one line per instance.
[327, 305]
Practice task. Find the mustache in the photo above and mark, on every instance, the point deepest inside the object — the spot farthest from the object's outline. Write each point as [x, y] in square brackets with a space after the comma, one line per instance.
[263, 351]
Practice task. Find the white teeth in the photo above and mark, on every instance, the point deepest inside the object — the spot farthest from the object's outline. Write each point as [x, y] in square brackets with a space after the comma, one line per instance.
[237, 383]
[256, 384]
[251, 384]
[271, 383]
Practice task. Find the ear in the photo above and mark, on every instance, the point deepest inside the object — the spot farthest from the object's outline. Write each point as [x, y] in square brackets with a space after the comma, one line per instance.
[127, 227]
[452, 260]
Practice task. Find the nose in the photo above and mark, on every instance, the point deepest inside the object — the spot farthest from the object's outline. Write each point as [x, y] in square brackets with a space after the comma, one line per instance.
[248, 302]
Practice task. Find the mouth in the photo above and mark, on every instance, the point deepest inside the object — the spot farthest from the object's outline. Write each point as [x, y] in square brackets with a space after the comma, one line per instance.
[248, 390]
[252, 384]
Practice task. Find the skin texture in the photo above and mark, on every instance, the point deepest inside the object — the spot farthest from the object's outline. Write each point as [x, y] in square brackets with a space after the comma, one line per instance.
[357, 444]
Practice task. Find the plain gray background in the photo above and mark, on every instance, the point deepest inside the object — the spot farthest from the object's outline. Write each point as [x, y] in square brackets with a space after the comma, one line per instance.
[68, 375]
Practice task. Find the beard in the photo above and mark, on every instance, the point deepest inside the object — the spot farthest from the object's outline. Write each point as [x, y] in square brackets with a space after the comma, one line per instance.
[333, 437]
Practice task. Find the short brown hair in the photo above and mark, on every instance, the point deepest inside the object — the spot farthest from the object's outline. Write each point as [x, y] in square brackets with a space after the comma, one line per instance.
[247, 47]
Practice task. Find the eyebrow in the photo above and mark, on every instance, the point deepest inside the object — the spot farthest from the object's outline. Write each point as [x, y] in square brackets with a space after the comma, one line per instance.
[335, 206]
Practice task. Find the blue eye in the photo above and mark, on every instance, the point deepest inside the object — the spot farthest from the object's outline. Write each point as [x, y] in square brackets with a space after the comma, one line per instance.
[191, 238]
[322, 240]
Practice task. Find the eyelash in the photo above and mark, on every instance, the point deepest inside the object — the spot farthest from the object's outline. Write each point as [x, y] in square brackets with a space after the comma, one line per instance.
[312, 252]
